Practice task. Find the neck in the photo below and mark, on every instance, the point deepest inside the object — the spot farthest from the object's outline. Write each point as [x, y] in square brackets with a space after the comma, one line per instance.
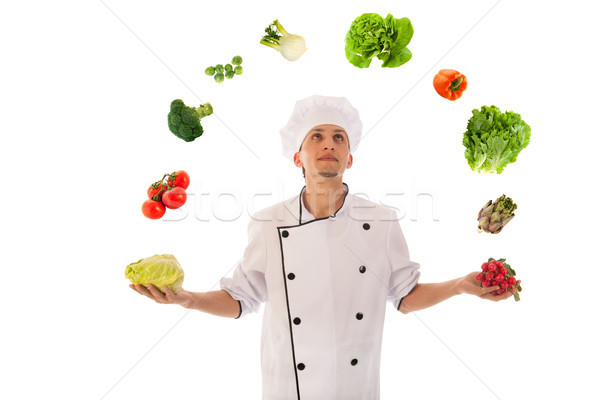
[323, 196]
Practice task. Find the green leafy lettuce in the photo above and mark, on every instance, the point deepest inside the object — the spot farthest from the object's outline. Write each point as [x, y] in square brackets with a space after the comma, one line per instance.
[494, 139]
[370, 35]
[158, 270]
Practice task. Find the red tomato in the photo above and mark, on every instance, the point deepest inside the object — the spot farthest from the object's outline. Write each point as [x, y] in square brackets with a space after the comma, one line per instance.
[179, 179]
[155, 189]
[153, 209]
[174, 198]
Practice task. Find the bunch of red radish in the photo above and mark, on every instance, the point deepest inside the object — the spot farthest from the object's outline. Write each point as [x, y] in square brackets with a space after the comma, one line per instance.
[498, 273]
[163, 194]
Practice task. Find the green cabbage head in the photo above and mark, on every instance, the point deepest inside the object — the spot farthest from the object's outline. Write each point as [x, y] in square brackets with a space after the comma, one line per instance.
[159, 270]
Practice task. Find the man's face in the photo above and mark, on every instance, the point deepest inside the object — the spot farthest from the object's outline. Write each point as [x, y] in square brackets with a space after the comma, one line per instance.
[325, 152]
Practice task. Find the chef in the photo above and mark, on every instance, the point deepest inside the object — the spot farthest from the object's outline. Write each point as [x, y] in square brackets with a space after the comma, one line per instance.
[324, 264]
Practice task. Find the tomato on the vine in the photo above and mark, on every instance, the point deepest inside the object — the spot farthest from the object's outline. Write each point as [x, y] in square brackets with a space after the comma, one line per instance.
[157, 189]
[153, 209]
[179, 179]
[174, 198]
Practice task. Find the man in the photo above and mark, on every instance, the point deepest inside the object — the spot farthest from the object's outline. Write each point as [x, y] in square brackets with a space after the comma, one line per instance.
[324, 263]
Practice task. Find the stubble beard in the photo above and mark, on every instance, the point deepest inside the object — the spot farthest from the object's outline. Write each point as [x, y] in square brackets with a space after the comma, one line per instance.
[326, 174]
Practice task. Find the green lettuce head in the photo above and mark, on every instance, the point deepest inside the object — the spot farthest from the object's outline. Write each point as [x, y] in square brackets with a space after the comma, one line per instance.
[371, 36]
[159, 270]
[494, 139]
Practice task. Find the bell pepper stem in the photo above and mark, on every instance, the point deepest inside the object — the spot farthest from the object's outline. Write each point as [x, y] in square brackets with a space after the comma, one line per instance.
[455, 85]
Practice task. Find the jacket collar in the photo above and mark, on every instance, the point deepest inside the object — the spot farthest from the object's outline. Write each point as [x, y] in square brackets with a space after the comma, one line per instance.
[302, 209]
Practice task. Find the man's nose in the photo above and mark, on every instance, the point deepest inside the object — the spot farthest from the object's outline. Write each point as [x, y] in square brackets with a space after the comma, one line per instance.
[328, 144]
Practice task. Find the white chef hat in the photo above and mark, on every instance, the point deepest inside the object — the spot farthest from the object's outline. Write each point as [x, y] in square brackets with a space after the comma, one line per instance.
[320, 110]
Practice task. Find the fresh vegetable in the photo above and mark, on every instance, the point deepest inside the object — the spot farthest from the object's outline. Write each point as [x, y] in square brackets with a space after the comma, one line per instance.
[290, 46]
[494, 216]
[370, 35]
[170, 193]
[179, 179]
[494, 139]
[184, 121]
[450, 84]
[174, 198]
[156, 190]
[159, 270]
[153, 209]
[505, 279]
[220, 72]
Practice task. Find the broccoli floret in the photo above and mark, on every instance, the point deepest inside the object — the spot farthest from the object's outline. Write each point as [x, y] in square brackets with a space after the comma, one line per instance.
[184, 121]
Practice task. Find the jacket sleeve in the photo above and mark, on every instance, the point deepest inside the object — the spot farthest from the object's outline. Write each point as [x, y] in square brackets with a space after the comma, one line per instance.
[247, 284]
[404, 272]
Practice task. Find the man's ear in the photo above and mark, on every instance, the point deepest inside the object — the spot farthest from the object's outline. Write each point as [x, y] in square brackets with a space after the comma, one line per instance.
[350, 161]
[297, 161]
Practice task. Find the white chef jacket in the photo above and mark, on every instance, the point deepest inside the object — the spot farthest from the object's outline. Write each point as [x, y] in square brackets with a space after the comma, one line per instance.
[324, 283]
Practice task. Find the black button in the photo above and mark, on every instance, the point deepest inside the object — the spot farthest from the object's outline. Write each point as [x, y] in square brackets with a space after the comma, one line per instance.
[354, 361]
[297, 321]
[285, 234]
[300, 366]
[291, 276]
[359, 316]
[366, 227]
[362, 269]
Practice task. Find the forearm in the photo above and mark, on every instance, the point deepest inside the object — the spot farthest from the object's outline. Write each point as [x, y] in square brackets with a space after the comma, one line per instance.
[218, 302]
[425, 295]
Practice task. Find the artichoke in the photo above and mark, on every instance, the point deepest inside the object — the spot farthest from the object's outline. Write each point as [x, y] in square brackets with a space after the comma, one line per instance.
[494, 216]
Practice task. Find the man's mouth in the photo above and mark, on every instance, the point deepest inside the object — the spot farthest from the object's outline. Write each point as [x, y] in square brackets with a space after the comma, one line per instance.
[328, 158]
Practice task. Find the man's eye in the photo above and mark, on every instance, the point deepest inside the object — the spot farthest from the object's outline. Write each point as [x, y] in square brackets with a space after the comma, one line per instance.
[316, 136]
[339, 137]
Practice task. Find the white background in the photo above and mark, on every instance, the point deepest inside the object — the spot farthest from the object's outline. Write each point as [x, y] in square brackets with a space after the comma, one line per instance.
[85, 90]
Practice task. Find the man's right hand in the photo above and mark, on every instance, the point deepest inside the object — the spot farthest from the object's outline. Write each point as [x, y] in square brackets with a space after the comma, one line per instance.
[218, 302]
[182, 297]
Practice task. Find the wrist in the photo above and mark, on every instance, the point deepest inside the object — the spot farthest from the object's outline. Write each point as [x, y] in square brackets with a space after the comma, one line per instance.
[458, 286]
[188, 299]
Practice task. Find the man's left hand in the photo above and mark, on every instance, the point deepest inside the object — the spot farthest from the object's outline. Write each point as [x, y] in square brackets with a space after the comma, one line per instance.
[468, 284]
